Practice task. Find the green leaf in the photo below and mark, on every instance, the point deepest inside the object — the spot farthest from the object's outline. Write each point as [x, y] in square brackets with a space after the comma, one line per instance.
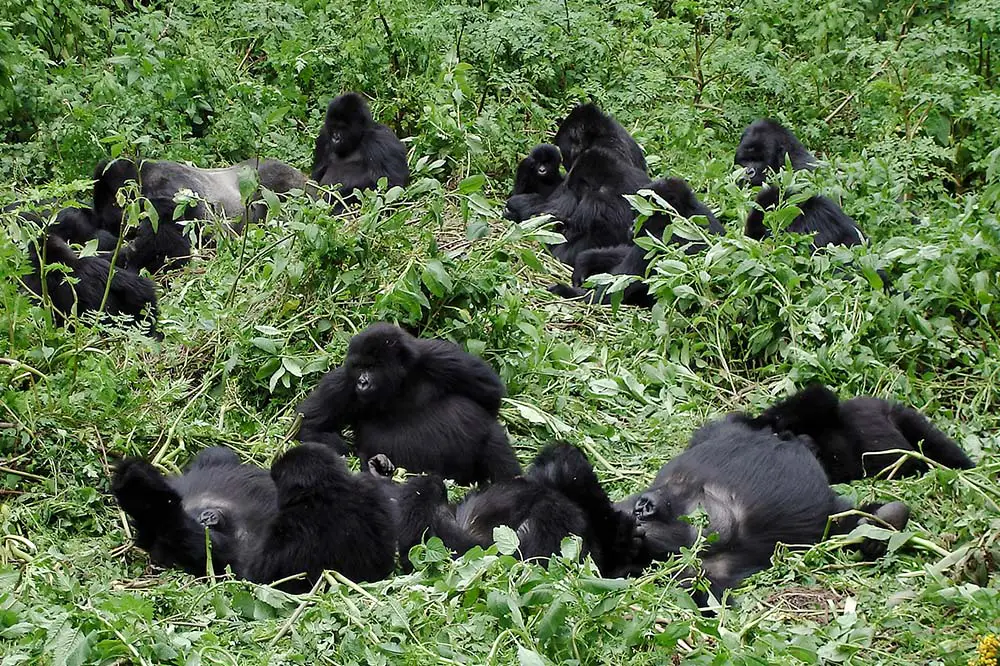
[506, 540]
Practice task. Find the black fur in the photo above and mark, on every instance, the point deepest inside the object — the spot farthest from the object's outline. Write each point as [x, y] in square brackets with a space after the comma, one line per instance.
[848, 435]
[631, 259]
[588, 204]
[79, 226]
[130, 294]
[354, 152]
[588, 127]
[307, 515]
[538, 173]
[763, 148]
[558, 496]
[762, 151]
[757, 489]
[426, 404]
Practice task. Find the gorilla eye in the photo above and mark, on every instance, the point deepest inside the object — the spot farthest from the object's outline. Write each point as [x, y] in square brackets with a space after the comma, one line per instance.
[391, 342]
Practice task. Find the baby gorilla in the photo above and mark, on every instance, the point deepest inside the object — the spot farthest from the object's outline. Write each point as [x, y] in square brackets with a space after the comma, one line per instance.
[630, 259]
[538, 173]
[130, 295]
[762, 151]
[426, 404]
[757, 489]
[354, 152]
[588, 127]
[308, 515]
[558, 496]
[852, 437]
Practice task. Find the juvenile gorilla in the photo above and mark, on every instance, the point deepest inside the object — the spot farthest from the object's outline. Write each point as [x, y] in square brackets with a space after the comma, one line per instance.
[588, 127]
[762, 151]
[538, 173]
[630, 259]
[426, 404]
[757, 489]
[130, 294]
[589, 204]
[849, 435]
[354, 152]
[307, 515]
[558, 496]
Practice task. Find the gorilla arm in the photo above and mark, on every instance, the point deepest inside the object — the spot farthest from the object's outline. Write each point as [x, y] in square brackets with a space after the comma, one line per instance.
[453, 370]
[324, 411]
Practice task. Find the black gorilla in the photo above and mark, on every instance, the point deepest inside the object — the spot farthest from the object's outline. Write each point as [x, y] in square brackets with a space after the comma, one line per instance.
[558, 496]
[538, 173]
[79, 226]
[849, 435]
[757, 489]
[426, 404]
[307, 515]
[589, 204]
[631, 259]
[588, 127]
[354, 152]
[130, 294]
[762, 151]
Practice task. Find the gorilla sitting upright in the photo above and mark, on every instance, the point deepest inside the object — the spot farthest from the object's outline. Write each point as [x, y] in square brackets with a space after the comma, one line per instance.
[307, 515]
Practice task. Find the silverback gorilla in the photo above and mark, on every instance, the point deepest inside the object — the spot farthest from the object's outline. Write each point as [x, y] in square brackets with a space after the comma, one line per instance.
[426, 404]
[353, 151]
[307, 515]
[558, 496]
[757, 489]
[853, 437]
[762, 151]
[630, 259]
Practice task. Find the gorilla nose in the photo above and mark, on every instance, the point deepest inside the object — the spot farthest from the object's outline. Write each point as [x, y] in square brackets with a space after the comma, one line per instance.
[364, 382]
[209, 517]
[645, 507]
[542, 170]
[749, 172]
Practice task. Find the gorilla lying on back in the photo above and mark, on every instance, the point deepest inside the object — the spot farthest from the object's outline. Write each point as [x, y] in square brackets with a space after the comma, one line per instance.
[309, 514]
[559, 495]
[588, 127]
[762, 151]
[354, 152]
[757, 489]
[130, 294]
[426, 404]
[217, 189]
[631, 259]
[589, 204]
[850, 435]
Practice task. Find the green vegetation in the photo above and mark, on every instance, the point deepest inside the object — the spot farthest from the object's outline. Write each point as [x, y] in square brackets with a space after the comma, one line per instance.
[902, 101]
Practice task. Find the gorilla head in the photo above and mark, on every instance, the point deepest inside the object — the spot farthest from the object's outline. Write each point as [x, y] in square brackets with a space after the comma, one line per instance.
[378, 361]
[587, 126]
[347, 119]
[763, 148]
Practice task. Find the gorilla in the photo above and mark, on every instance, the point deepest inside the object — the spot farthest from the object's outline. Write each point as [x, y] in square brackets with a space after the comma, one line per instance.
[426, 404]
[130, 294]
[161, 181]
[588, 127]
[354, 152]
[630, 259]
[538, 173]
[74, 224]
[852, 438]
[307, 515]
[762, 151]
[558, 496]
[589, 204]
[757, 489]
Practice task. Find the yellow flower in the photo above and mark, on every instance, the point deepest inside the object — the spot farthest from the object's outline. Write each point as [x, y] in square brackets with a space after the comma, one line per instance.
[987, 651]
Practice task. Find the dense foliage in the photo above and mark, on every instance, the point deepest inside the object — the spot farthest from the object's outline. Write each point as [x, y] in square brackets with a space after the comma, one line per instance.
[902, 102]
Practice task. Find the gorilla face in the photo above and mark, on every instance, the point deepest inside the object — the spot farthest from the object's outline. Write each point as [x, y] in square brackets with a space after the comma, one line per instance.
[347, 119]
[664, 533]
[757, 155]
[378, 361]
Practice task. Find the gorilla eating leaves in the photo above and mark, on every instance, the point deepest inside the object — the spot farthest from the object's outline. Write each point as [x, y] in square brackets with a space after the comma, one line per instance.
[757, 489]
[852, 437]
[426, 404]
[308, 514]
[353, 151]
[558, 496]
[762, 151]
[630, 259]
